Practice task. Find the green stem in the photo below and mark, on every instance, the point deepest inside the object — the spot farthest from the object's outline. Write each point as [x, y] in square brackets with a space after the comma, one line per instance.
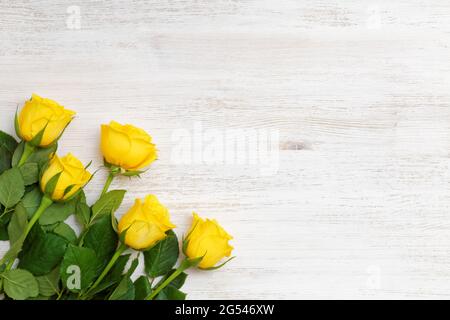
[185, 264]
[122, 247]
[108, 183]
[82, 235]
[60, 294]
[9, 265]
[45, 203]
[5, 211]
[27, 151]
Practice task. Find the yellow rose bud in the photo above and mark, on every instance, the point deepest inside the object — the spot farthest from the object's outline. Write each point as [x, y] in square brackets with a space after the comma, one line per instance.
[39, 113]
[209, 240]
[73, 177]
[126, 146]
[145, 223]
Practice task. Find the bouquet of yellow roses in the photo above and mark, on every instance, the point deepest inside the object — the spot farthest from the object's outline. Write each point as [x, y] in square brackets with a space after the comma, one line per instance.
[39, 190]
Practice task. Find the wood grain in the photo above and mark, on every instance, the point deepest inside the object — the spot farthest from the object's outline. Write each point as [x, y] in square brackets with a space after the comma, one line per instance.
[358, 91]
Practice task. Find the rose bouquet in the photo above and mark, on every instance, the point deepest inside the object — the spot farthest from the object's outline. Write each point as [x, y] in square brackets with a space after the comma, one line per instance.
[39, 190]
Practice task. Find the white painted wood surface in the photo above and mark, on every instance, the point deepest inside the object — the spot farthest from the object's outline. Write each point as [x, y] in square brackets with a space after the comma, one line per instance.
[358, 91]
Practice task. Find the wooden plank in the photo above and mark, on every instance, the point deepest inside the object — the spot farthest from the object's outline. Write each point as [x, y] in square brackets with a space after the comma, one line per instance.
[358, 92]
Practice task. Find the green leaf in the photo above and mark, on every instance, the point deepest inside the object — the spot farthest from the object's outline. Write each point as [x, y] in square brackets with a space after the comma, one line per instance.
[42, 155]
[85, 260]
[83, 213]
[31, 201]
[16, 234]
[114, 275]
[65, 231]
[114, 223]
[107, 204]
[142, 288]
[49, 283]
[119, 267]
[68, 189]
[133, 266]
[36, 140]
[7, 146]
[102, 238]
[122, 236]
[7, 142]
[17, 154]
[51, 184]
[12, 187]
[178, 282]
[82, 197]
[20, 284]
[20, 209]
[30, 172]
[124, 291]
[82, 210]
[160, 259]
[13, 250]
[4, 221]
[17, 225]
[42, 251]
[5, 160]
[16, 123]
[49, 227]
[171, 293]
[130, 173]
[219, 266]
[58, 212]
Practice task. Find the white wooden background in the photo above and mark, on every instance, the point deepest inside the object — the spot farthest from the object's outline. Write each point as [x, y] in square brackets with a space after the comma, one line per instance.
[358, 91]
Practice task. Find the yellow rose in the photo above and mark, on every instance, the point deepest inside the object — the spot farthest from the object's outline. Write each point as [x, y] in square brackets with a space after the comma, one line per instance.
[73, 177]
[126, 146]
[145, 223]
[209, 240]
[39, 113]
